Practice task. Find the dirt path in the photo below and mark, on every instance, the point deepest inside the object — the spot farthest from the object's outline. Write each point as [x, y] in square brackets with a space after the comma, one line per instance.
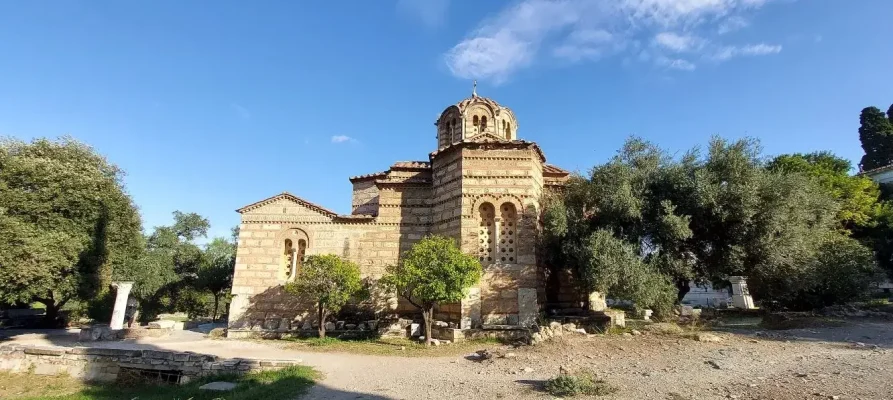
[799, 364]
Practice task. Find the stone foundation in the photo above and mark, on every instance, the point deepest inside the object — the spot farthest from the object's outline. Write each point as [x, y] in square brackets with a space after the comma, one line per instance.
[100, 364]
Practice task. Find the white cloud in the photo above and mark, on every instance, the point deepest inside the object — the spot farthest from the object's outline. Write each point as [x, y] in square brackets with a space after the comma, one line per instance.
[678, 43]
[732, 24]
[676, 63]
[730, 52]
[531, 31]
[431, 13]
[343, 139]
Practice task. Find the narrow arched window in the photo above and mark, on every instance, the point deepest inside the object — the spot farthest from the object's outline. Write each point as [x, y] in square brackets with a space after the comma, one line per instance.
[483, 124]
[300, 253]
[287, 254]
[508, 230]
[508, 130]
[475, 121]
[486, 233]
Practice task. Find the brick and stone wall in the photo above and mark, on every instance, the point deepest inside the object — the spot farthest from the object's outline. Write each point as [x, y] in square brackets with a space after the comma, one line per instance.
[365, 197]
[394, 209]
[101, 364]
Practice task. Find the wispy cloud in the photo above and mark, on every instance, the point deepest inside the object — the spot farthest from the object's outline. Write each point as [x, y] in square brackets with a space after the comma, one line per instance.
[677, 42]
[730, 52]
[242, 112]
[431, 13]
[732, 24]
[531, 31]
[343, 139]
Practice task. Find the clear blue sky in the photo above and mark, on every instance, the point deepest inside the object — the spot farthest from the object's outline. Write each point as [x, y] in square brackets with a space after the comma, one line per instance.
[209, 106]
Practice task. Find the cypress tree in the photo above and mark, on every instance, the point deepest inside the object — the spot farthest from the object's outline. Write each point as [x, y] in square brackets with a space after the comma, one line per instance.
[876, 135]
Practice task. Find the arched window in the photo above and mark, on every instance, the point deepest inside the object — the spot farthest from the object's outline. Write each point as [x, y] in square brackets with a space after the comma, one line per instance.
[508, 232]
[475, 121]
[486, 233]
[508, 130]
[287, 254]
[302, 249]
[483, 124]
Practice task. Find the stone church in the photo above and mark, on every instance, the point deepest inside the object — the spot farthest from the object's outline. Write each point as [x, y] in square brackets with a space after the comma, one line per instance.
[481, 186]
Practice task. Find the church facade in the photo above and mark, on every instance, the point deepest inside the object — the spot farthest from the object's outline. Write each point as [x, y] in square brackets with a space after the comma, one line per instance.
[482, 186]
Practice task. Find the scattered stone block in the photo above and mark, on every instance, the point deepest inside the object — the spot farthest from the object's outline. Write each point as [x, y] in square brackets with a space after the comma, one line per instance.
[162, 324]
[707, 337]
[415, 330]
[218, 386]
[330, 326]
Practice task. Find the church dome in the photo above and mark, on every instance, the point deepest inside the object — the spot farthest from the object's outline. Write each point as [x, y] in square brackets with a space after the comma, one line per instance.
[473, 117]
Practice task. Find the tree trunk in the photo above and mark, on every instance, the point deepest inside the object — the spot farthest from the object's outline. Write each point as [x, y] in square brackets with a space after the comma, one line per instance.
[51, 319]
[682, 286]
[216, 303]
[428, 315]
[322, 322]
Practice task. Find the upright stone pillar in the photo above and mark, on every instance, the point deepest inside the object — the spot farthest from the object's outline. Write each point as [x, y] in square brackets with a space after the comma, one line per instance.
[471, 309]
[597, 302]
[122, 292]
[740, 294]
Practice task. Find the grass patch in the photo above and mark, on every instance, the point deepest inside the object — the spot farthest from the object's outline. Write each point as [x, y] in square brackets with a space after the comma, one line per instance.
[287, 383]
[387, 346]
[24, 386]
[567, 385]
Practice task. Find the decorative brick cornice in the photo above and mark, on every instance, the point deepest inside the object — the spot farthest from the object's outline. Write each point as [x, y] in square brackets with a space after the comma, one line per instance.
[488, 144]
[290, 197]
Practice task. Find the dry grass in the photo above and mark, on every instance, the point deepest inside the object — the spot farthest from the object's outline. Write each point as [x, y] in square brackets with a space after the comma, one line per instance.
[22, 386]
[268, 385]
[386, 346]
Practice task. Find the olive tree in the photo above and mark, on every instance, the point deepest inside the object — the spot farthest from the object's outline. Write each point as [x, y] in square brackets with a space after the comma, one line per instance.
[434, 271]
[328, 280]
[67, 225]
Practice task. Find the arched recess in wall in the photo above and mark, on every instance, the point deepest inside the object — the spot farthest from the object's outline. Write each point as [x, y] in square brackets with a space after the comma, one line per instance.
[508, 233]
[294, 243]
[486, 233]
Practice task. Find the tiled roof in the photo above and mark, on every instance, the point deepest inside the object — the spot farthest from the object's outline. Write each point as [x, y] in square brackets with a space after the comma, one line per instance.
[551, 169]
[368, 176]
[477, 99]
[488, 139]
[305, 203]
[412, 164]
[878, 170]
[289, 196]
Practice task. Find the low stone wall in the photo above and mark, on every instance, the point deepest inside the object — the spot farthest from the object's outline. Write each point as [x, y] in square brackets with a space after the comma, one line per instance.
[101, 364]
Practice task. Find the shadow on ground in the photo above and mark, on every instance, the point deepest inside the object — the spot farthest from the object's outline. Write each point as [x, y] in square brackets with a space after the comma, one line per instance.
[288, 387]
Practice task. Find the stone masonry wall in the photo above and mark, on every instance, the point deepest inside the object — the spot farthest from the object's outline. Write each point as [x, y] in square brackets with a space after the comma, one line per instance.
[512, 177]
[101, 364]
[365, 198]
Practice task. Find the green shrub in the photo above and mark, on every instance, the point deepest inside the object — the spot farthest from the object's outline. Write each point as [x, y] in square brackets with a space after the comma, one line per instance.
[841, 270]
[567, 385]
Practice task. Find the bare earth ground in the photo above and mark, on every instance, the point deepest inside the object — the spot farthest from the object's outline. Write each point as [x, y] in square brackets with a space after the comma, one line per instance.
[851, 362]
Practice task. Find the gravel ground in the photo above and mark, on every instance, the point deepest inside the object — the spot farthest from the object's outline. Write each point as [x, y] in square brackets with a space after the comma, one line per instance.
[850, 362]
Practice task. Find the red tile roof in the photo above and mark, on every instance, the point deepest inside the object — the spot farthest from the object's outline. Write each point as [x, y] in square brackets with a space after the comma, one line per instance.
[553, 170]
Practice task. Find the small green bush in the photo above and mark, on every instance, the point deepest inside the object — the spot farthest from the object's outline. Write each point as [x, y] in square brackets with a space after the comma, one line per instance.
[326, 341]
[567, 385]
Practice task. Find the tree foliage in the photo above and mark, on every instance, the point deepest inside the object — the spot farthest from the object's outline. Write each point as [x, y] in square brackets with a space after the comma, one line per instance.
[66, 222]
[215, 275]
[876, 135]
[840, 271]
[644, 219]
[330, 281]
[857, 195]
[434, 271]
